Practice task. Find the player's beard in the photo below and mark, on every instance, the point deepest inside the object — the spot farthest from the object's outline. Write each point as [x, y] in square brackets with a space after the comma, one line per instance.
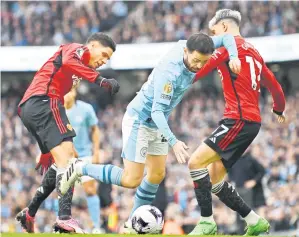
[186, 62]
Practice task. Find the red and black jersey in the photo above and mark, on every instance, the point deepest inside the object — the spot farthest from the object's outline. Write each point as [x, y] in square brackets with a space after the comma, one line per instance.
[242, 91]
[67, 67]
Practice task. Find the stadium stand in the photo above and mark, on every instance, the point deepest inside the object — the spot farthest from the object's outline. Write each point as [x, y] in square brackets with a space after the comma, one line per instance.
[54, 23]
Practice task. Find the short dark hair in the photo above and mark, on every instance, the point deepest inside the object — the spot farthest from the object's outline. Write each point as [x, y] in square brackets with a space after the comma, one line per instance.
[200, 42]
[104, 39]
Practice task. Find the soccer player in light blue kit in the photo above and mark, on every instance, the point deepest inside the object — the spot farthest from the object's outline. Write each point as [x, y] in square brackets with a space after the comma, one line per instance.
[145, 131]
[84, 121]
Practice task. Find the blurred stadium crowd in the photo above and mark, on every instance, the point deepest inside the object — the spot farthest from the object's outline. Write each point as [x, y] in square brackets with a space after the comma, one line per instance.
[37, 23]
[276, 148]
[58, 22]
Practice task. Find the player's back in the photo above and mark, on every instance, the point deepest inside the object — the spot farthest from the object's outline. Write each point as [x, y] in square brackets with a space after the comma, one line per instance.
[172, 76]
[82, 117]
[242, 91]
[52, 79]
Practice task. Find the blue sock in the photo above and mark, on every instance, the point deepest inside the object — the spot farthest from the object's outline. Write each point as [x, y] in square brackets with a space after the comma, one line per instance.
[93, 204]
[108, 174]
[145, 194]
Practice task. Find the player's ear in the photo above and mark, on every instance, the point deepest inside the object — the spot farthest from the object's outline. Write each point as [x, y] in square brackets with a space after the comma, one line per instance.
[224, 25]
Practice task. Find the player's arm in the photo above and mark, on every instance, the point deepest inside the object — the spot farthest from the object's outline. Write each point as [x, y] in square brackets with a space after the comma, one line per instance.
[229, 52]
[219, 56]
[163, 93]
[95, 137]
[227, 41]
[92, 122]
[269, 81]
[72, 60]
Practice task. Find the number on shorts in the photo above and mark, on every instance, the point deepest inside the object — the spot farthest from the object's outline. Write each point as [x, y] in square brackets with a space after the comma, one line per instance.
[225, 130]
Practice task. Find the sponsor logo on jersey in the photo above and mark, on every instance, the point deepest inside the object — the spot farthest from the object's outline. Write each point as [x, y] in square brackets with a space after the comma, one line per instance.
[165, 97]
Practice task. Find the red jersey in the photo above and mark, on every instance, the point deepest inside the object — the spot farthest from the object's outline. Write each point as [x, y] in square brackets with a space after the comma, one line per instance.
[67, 67]
[242, 91]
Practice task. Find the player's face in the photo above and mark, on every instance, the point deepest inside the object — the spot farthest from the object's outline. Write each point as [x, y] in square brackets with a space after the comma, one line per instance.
[195, 60]
[99, 54]
[219, 28]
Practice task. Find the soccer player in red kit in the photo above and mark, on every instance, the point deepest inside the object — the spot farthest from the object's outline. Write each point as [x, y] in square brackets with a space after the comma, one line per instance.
[43, 114]
[237, 129]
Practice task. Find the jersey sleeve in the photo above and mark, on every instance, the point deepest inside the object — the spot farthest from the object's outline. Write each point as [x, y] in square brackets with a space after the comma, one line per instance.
[228, 41]
[92, 118]
[163, 93]
[73, 58]
[219, 56]
[269, 81]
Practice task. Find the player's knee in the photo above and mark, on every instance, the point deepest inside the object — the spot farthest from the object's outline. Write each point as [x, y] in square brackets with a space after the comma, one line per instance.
[195, 162]
[90, 191]
[131, 181]
[156, 177]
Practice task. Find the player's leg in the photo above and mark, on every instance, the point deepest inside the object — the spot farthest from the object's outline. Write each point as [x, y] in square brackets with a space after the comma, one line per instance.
[26, 216]
[135, 140]
[146, 192]
[93, 201]
[228, 194]
[198, 163]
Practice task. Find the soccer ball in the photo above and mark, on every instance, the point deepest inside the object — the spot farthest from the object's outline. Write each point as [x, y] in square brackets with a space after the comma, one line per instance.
[147, 219]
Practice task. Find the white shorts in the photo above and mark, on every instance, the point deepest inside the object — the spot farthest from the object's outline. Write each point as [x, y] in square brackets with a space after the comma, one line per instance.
[87, 160]
[140, 140]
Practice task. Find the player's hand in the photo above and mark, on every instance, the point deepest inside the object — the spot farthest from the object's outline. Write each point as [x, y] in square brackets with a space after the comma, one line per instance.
[280, 117]
[235, 65]
[250, 184]
[111, 84]
[44, 162]
[180, 151]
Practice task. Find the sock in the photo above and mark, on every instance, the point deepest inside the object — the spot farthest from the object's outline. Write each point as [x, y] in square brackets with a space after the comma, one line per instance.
[65, 201]
[108, 174]
[230, 197]
[65, 204]
[252, 218]
[202, 188]
[145, 194]
[93, 204]
[59, 173]
[46, 188]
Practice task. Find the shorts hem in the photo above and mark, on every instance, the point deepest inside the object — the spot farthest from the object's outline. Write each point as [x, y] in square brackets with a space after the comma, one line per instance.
[59, 141]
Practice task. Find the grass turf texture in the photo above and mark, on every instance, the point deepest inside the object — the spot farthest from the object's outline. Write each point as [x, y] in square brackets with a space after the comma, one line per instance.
[101, 235]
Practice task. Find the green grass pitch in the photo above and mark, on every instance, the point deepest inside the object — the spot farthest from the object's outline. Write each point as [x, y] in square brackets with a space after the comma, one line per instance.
[102, 235]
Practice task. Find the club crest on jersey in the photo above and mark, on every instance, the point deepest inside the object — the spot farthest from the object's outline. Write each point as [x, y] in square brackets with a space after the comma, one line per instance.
[143, 151]
[69, 127]
[80, 52]
[167, 88]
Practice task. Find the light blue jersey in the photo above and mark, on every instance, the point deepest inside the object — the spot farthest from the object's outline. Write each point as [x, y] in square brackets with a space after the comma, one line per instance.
[82, 117]
[166, 86]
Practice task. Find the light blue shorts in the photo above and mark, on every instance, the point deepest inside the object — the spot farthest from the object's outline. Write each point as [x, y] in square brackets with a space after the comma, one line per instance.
[140, 140]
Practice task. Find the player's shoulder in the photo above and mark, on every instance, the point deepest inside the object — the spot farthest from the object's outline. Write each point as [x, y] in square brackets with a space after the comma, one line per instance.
[76, 48]
[245, 47]
[172, 63]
